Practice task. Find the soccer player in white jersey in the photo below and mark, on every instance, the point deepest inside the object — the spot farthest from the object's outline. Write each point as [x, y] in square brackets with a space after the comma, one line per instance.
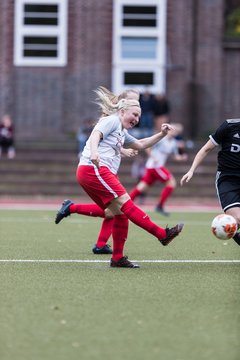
[228, 168]
[97, 174]
[155, 170]
[101, 246]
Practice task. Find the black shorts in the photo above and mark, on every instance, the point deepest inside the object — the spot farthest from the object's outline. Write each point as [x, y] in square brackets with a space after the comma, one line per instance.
[228, 190]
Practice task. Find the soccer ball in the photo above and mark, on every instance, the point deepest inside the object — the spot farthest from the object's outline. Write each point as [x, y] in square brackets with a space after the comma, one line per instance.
[224, 226]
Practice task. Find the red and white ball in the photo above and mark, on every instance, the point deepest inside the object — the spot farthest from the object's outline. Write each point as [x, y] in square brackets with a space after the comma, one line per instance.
[224, 226]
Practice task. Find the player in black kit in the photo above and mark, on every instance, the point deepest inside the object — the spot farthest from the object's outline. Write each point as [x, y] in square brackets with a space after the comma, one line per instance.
[228, 170]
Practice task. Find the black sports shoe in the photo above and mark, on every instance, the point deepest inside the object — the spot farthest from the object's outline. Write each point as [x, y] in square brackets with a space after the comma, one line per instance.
[106, 249]
[236, 238]
[161, 210]
[171, 234]
[123, 262]
[64, 211]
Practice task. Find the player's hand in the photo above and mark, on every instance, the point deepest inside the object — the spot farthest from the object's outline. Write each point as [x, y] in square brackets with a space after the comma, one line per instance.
[128, 152]
[186, 178]
[95, 159]
[166, 128]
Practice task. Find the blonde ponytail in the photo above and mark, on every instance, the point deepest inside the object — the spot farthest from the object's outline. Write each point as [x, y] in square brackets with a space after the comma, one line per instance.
[105, 101]
[110, 103]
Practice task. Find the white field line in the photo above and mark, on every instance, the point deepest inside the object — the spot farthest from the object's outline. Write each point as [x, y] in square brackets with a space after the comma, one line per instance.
[107, 261]
[184, 208]
[86, 221]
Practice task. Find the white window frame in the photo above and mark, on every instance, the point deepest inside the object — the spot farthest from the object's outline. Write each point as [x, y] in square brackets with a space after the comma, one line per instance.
[158, 65]
[21, 30]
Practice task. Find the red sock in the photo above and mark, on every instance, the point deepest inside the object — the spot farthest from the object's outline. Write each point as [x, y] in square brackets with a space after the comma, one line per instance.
[119, 233]
[134, 193]
[165, 194]
[87, 209]
[105, 232]
[138, 217]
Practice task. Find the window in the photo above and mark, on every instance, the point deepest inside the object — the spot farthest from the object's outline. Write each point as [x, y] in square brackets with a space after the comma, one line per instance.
[139, 16]
[138, 78]
[139, 45]
[40, 33]
[40, 46]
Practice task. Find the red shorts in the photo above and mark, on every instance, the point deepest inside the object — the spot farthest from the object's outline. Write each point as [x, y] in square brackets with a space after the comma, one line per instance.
[160, 174]
[100, 184]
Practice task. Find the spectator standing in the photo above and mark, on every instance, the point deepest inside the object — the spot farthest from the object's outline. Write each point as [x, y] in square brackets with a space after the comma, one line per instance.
[7, 137]
[161, 108]
[83, 134]
[146, 124]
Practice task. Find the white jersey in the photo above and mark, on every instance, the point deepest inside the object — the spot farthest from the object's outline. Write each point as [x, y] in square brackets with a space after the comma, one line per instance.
[160, 152]
[114, 137]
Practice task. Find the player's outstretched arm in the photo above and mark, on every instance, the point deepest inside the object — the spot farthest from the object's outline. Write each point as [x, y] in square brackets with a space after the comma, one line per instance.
[147, 142]
[200, 156]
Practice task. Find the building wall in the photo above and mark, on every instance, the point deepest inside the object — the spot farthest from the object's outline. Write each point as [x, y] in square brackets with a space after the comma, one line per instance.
[89, 51]
[6, 68]
[179, 60]
[231, 82]
[203, 68]
[202, 75]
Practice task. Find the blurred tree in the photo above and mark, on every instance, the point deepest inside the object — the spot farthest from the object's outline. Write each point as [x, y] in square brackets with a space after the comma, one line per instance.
[232, 19]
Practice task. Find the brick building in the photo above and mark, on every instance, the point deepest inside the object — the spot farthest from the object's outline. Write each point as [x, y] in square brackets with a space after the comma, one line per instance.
[53, 53]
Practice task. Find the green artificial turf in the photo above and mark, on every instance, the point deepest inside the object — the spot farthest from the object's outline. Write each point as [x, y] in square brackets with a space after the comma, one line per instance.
[87, 310]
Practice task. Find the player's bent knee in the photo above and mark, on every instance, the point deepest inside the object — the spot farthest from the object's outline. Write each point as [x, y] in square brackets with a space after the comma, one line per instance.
[142, 186]
[172, 182]
[108, 214]
[121, 200]
[235, 212]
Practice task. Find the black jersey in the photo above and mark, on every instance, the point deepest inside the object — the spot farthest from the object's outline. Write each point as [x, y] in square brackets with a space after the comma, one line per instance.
[228, 137]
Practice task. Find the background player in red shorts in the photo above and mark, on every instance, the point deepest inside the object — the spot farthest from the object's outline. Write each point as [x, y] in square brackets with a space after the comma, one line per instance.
[155, 170]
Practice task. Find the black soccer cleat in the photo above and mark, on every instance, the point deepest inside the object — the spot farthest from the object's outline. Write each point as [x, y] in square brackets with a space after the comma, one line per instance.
[161, 210]
[64, 211]
[171, 234]
[236, 238]
[124, 263]
[106, 249]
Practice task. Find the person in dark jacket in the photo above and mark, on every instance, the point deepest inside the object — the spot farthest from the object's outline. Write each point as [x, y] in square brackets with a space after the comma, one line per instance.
[7, 137]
